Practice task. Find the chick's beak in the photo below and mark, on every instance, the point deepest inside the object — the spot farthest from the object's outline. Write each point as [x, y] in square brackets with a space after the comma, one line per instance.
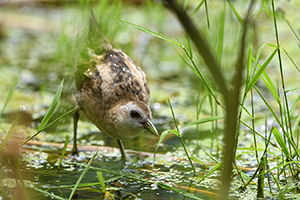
[150, 127]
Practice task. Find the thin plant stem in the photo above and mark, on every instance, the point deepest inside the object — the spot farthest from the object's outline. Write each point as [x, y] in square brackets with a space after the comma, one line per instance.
[181, 139]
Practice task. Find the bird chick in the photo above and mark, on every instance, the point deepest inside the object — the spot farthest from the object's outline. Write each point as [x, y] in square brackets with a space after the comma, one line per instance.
[112, 92]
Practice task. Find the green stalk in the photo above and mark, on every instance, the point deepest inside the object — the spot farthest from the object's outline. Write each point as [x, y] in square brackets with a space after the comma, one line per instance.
[181, 139]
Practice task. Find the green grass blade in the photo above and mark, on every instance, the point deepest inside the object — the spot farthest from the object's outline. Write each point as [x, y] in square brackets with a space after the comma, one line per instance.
[269, 107]
[295, 104]
[185, 193]
[249, 67]
[198, 161]
[179, 135]
[155, 34]
[176, 133]
[173, 115]
[211, 171]
[291, 59]
[296, 123]
[82, 174]
[48, 194]
[185, 4]
[204, 120]
[51, 108]
[259, 72]
[207, 15]
[9, 133]
[11, 91]
[221, 37]
[268, 82]
[258, 54]
[161, 138]
[235, 12]
[210, 156]
[63, 152]
[198, 7]
[280, 141]
[101, 181]
[289, 24]
[70, 111]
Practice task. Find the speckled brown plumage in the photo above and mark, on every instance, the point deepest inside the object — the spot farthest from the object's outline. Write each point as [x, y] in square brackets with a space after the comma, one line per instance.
[112, 91]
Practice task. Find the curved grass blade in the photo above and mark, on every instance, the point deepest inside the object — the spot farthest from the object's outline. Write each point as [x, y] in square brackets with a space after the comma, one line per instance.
[199, 161]
[211, 171]
[204, 120]
[48, 194]
[235, 12]
[11, 91]
[155, 34]
[63, 152]
[161, 138]
[259, 72]
[185, 193]
[82, 174]
[9, 133]
[101, 181]
[49, 123]
[280, 141]
[51, 108]
[180, 136]
[186, 2]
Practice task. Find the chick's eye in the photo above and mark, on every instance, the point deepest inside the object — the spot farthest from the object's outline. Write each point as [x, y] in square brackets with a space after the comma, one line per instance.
[134, 114]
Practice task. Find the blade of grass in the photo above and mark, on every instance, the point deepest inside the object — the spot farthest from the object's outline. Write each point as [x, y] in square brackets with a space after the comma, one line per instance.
[9, 133]
[295, 104]
[134, 177]
[291, 59]
[101, 181]
[161, 138]
[287, 116]
[210, 172]
[198, 7]
[199, 161]
[221, 36]
[185, 4]
[269, 107]
[181, 140]
[185, 193]
[211, 157]
[153, 33]
[289, 24]
[202, 121]
[44, 127]
[48, 194]
[51, 108]
[207, 15]
[63, 152]
[259, 72]
[11, 91]
[235, 12]
[82, 174]
[296, 124]
[280, 141]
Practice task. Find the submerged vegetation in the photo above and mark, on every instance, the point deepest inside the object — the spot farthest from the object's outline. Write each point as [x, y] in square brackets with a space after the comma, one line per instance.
[224, 96]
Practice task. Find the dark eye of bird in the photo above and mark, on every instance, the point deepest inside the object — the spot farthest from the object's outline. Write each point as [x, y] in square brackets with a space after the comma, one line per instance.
[134, 114]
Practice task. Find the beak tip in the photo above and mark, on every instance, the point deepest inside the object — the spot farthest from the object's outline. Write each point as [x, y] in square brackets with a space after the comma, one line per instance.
[150, 127]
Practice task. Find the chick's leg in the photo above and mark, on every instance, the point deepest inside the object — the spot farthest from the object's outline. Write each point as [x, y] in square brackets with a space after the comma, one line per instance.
[75, 121]
[122, 150]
